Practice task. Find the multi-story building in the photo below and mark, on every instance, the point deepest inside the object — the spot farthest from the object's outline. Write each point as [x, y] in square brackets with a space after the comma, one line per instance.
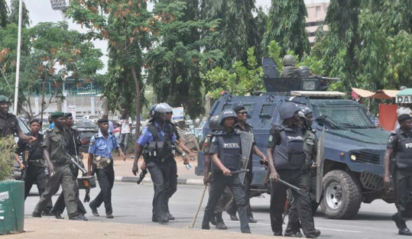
[316, 16]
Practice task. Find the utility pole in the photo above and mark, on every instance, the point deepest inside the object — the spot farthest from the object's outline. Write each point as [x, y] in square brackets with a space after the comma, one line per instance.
[16, 89]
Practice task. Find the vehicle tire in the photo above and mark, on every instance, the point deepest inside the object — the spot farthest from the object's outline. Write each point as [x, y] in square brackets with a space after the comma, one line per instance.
[342, 195]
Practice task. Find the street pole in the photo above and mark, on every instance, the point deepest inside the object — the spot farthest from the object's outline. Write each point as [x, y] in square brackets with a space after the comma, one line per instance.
[16, 90]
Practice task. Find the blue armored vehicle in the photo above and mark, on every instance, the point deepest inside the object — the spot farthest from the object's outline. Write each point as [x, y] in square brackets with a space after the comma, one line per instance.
[353, 147]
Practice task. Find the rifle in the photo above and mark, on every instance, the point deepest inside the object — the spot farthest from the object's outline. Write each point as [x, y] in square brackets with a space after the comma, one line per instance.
[84, 182]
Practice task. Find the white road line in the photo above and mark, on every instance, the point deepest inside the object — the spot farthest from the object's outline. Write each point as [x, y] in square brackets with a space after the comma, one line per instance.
[320, 228]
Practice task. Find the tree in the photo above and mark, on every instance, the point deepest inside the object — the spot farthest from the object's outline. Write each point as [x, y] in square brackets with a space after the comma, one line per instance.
[286, 25]
[4, 13]
[126, 25]
[14, 14]
[238, 29]
[244, 79]
[176, 63]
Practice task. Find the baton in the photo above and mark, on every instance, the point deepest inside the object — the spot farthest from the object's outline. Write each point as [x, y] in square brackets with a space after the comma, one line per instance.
[78, 165]
[289, 185]
[240, 171]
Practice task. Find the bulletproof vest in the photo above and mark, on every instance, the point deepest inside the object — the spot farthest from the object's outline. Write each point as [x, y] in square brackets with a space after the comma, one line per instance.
[289, 154]
[8, 125]
[403, 157]
[35, 148]
[230, 152]
[161, 147]
[290, 71]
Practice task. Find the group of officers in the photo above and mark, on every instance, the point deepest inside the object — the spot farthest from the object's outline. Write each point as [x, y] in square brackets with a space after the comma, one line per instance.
[291, 154]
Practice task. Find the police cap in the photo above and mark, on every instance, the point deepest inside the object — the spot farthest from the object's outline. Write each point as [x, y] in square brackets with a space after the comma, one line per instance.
[404, 117]
[57, 114]
[4, 99]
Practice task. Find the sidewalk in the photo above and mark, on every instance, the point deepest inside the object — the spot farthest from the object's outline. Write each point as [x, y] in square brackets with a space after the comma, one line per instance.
[52, 228]
[123, 171]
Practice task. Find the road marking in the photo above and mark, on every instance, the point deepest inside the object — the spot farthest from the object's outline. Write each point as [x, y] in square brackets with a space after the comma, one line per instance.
[321, 228]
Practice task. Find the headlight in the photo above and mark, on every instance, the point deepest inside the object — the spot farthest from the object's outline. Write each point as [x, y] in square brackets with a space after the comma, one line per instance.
[353, 157]
[308, 85]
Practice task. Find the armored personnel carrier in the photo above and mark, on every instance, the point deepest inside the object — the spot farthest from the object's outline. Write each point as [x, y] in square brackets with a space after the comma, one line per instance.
[353, 147]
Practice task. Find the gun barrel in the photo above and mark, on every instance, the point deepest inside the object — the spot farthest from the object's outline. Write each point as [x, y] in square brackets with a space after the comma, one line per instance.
[78, 165]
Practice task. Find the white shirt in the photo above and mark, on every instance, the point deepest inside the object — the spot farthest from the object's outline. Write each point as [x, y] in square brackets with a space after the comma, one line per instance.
[125, 124]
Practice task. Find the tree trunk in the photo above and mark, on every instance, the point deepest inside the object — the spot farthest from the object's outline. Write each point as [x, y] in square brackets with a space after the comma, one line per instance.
[42, 102]
[137, 85]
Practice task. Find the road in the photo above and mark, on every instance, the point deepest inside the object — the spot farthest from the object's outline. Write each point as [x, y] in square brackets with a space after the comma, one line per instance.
[133, 204]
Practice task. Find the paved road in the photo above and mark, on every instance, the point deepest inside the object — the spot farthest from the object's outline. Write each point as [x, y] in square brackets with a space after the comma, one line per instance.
[132, 204]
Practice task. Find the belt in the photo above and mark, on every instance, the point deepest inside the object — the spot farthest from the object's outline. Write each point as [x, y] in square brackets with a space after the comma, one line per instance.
[35, 160]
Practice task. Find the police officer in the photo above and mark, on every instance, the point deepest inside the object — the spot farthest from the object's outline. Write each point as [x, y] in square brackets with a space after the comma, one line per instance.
[286, 158]
[242, 125]
[100, 155]
[172, 187]
[73, 150]
[226, 197]
[55, 146]
[9, 125]
[308, 172]
[289, 69]
[226, 151]
[400, 149]
[160, 139]
[36, 171]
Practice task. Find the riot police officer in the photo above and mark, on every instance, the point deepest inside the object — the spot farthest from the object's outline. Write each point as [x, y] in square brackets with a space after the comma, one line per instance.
[159, 138]
[100, 156]
[73, 145]
[304, 71]
[289, 69]
[36, 171]
[226, 150]
[308, 172]
[55, 152]
[242, 125]
[400, 149]
[226, 197]
[286, 158]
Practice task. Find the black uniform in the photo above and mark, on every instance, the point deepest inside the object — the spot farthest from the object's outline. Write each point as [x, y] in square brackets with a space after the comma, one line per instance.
[8, 125]
[158, 154]
[172, 181]
[73, 150]
[227, 145]
[36, 167]
[248, 179]
[289, 157]
[401, 143]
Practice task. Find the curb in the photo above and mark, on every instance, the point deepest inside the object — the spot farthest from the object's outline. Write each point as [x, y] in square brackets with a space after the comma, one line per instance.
[148, 180]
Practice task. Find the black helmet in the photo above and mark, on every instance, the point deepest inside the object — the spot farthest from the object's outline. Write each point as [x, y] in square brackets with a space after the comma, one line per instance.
[304, 71]
[152, 110]
[214, 123]
[288, 60]
[287, 110]
[305, 111]
[161, 109]
[228, 113]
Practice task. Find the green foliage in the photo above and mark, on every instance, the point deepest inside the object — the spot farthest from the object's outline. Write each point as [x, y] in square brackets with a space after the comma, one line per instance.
[7, 149]
[175, 64]
[286, 25]
[14, 14]
[244, 79]
[238, 28]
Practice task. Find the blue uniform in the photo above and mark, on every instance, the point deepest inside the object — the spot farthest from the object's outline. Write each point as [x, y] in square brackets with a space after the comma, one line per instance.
[147, 137]
[101, 146]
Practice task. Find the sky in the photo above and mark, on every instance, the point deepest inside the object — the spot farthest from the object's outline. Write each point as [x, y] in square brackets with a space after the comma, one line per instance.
[41, 11]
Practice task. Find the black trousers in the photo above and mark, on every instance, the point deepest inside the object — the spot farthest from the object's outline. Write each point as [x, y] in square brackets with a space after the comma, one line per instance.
[232, 206]
[302, 201]
[218, 183]
[105, 177]
[293, 221]
[403, 189]
[63, 176]
[172, 183]
[160, 174]
[36, 174]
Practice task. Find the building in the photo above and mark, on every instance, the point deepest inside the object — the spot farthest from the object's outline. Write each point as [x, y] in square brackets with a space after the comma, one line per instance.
[316, 17]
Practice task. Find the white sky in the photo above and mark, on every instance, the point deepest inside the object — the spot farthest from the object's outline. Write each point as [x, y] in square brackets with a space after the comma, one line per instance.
[41, 11]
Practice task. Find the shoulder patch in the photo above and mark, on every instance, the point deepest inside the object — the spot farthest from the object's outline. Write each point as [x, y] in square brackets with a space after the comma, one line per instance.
[214, 139]
[270, 138]
[91, 142]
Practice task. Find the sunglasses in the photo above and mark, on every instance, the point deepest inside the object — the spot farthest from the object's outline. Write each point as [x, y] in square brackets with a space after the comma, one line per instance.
[169, 113]
[243, 113]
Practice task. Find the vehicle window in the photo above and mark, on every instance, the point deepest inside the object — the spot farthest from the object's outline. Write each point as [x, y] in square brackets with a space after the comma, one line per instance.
[344, 116]
[23, 126]
[87, 134]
